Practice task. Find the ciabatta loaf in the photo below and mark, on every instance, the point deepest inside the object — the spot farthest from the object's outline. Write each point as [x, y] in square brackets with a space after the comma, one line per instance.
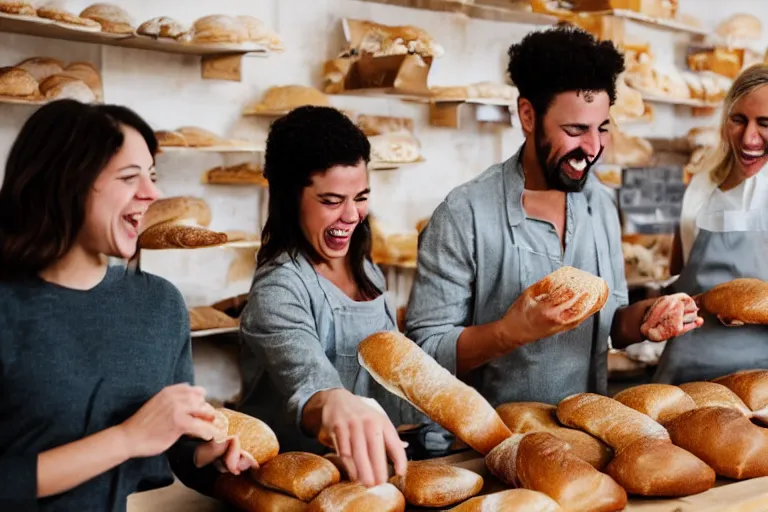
[541, 462]
[301, 475]
[525, 417]
[431, 484]
[725, 439]
[516, 500]
[401, 367]
[662, 402]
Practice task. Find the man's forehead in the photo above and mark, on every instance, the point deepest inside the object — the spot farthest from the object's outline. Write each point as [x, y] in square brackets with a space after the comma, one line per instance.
[583, 107]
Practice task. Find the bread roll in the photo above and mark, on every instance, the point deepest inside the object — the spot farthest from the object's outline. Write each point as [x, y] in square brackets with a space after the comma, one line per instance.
[174, 236]
[255, 436]
[405, 370]
[245, 494]
[302, 475]
[41, 67]
[197, 137]
[166, 138]
[218, 29]
[111, 18]
[180, 210]
[162, 26]
[741, 26]
[738, 302]
[88, 73]
[284, 98]
[18, 7]
[62, 16]
[752, 387]
[524, 417]
[395, 147]
[61, 86]
[242, 174]
[17, 83]
[259, 33]
[516, 500]
[711, 394]
[725, 439]
[662, 402]
[541, 462]
[609, 420]
[431, 484]
[202, 318]
[652, 467]
[353, 497]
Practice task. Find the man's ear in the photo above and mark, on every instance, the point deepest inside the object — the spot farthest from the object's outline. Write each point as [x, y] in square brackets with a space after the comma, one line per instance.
[527, 116]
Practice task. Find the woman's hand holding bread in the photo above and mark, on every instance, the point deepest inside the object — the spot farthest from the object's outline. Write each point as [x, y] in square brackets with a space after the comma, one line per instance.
[671, 316]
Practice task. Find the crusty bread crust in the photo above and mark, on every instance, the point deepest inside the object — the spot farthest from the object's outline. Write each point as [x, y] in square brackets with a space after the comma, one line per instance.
[432, 484]
[662, 402]
[515, 500]
[738, 302]
[255, 436]
[302, 475]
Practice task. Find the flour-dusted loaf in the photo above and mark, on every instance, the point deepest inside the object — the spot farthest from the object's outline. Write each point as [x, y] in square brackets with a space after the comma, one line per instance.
[432, 484]
[404, 369]
[18, 7]
[515, 500]
[354, 497]
[541, 462]
[524, 417]
[112, 18]
[299, 474]
[662, 402]
[246, 495]
[255, 436]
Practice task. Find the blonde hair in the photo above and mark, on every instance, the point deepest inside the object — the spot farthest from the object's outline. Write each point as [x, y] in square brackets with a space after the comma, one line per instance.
[746, 83]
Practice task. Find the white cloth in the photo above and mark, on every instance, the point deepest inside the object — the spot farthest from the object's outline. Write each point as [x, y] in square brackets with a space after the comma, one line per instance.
[706, 206]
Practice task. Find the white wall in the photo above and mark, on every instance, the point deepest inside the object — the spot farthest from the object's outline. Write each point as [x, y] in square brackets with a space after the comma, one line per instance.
[168, 91]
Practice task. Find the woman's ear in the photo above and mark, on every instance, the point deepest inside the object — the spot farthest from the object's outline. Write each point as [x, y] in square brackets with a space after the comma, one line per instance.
[527, 116]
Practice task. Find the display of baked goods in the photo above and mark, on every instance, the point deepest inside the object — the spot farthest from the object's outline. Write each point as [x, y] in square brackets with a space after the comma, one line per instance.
[740, 27]
[395, 249]
[18, 7]
[665, 9]
[259, 33]
[700, 136]
[41, 67]
[88, 73]
[163, 27]
[218, 29]
[45, 78]
[738, 302]
[203, 318]
[380, 40]
[19, 84]
[629, 105]
[196, 137]
[281, 99]
[723, 61]
[625, 150]
[399, 147]
[241, 174]
[61, 86]
[646, 257]
[63, 17]
[178, 223]
[380, 125]
[112, 18]
[491, 91]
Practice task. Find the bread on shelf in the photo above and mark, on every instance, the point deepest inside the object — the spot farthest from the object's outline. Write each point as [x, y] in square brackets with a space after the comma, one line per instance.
[242, 174]
[259, 33]
[88, 73]
[175, 236]
[41, 67]
[218, 29]
[485, 90]
[18, 83]
[741, 27]
[169, 138]
[162, 27]
[432, 484]
[204, 318]
[18, 7]
[197, 137]
[281, 99]
[65, 17]
[112, 18]
[381, 40]
[399, 147]
[298, 474]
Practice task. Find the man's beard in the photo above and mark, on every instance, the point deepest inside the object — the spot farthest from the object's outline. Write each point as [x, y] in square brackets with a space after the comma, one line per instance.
[554, 175]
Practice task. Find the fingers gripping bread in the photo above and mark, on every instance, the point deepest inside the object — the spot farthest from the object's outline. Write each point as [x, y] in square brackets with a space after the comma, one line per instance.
[405, 370]
[541, 462]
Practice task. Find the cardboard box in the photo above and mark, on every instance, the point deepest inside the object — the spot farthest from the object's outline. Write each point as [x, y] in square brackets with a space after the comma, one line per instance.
[391, 74]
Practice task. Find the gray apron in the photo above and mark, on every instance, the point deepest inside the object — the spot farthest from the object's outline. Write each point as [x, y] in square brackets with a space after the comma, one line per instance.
[353, 322]
[717, 256]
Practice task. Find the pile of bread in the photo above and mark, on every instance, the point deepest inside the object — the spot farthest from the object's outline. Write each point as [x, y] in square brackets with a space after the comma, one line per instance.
[195, 137]
[281, 99]
[393, 249]
[221, 315]
[626, 150]
[45, 78]
[477, 91]
[646, 256]
[703, 142]
[112, 19]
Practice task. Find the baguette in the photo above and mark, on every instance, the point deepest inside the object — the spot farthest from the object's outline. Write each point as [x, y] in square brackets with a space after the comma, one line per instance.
[752, 387]
[652, 467]
[516, 500]
[725, 439]
[431, 484]
[525, 417]
[301, 475]
[646, 461]
[255, 436]
[245, 494]
[541, 462]
[401, 367]
[662, 402]
[353, 497]
[711, 394]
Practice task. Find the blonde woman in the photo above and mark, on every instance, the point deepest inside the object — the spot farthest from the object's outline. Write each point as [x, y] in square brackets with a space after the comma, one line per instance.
[724, 235]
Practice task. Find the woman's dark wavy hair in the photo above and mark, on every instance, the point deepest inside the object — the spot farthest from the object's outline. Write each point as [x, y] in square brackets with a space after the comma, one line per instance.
[53, 163]
[563, 59]
[306, 141]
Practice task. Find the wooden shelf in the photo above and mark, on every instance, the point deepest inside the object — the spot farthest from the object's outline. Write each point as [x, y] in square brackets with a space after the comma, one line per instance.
[211, 149]
[212, 332]
[391, 166]
[681, 102]
[483, 12]
[20, 101]
[661, 23]
[220, 61]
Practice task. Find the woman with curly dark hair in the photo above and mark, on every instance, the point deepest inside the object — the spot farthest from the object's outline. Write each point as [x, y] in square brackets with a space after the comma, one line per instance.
[316, 295]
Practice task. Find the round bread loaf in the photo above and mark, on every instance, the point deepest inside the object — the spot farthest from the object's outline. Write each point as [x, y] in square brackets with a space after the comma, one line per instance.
[431, 484]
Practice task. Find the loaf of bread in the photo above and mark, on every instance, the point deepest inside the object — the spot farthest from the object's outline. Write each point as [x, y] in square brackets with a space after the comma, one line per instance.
[711, 394]
[65, 17]
[738, 302]
[259, 33]
[64, 86]
[162, 27]
[301, 475]
[174, 236]
[752, 387]
[525, 417]
[246, 495]
[242, 174]
[516, 500]
[111, 18]
[725, 439]
[352, 496]
[431, 484]
[205, 317]
[741, 26]
[646, 461]
[401, 367]
[17, 7]
[41, 67]
[86, 72]
[541, 462]
[218, 29]
[180, 210]
[284, 98]
[662, 402]
[18, 83]
[255, 436]
[197, 137]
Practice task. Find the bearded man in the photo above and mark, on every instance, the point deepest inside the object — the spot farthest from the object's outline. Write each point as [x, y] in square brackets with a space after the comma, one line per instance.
[520, 220]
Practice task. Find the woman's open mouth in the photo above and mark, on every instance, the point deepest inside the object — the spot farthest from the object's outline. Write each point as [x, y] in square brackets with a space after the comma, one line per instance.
[337, 239]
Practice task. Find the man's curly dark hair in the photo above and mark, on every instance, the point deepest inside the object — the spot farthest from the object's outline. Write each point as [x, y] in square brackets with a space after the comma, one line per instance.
[563, 59]
[306, 141]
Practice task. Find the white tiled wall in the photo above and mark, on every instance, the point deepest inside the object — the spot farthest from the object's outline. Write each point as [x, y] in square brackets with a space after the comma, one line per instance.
[168, 91]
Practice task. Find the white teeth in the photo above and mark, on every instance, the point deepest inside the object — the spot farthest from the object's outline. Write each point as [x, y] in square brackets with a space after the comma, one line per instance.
[753, 154]
[337, 232]
[578, 165]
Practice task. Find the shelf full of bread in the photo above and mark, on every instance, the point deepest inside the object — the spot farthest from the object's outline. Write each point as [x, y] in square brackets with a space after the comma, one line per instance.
[508, 11]
[221, 40]
[37, 80]
[700, 446]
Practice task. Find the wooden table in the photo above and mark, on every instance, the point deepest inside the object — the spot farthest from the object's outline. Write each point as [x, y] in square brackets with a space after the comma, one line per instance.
[726, 496]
